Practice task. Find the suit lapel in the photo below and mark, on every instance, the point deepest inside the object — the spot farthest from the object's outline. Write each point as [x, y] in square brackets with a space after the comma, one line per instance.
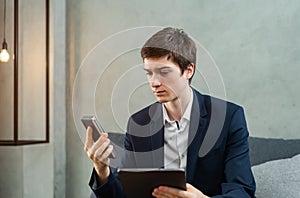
[198, 127]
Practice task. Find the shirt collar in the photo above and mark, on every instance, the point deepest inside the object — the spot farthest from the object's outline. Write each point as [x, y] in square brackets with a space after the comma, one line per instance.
[187, 112]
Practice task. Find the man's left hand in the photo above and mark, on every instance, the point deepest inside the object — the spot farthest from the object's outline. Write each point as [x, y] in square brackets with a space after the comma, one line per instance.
[168, 192]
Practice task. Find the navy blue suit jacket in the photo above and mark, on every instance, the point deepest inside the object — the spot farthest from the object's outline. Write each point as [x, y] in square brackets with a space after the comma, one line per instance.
[218, 153]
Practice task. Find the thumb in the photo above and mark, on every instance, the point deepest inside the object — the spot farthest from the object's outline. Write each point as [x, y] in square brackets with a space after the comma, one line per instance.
[88, 139]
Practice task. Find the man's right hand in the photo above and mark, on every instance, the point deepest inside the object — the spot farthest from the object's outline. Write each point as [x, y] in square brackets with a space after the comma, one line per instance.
[98, 152]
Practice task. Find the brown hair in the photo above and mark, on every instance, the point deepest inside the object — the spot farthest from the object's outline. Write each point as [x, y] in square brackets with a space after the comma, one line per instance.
[175, 44]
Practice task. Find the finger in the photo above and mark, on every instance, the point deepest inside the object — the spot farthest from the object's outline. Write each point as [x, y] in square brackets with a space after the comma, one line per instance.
[101, 150]
[102, 138]
[172, 192]
[189, 186]
[160, 193]
[108, 151]
[104, 158]
[193, 190]
[97, 144]
[105, 135]
[88, 139]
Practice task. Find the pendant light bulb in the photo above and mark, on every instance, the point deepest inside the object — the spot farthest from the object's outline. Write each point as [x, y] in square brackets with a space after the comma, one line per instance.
[4, 55]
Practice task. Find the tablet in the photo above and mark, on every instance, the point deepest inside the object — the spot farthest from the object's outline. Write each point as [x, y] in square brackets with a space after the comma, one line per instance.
[141, 182]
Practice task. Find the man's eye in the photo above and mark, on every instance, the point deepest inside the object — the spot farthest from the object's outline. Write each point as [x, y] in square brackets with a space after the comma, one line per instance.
[163, 73]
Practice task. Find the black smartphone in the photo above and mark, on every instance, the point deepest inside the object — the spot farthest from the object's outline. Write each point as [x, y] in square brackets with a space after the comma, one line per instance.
[91, 121]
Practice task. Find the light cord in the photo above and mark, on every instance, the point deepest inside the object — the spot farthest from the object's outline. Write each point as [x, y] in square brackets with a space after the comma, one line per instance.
[4, 19]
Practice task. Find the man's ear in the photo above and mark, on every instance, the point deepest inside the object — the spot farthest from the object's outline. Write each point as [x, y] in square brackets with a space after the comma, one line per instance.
[189, 71]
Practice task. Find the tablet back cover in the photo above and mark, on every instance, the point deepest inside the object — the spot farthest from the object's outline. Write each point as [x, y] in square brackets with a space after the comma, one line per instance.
[141, 182]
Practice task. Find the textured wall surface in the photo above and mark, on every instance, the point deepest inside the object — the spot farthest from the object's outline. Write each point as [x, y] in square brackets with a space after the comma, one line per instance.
[253, 43]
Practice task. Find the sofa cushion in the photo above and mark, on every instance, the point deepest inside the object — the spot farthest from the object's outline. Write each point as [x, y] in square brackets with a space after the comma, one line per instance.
[278, 178]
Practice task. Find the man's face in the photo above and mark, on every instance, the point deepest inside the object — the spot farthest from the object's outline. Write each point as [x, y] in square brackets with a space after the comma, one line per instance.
[165, 79]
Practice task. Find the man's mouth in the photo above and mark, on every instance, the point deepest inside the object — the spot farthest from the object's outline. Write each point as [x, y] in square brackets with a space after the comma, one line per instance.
[158, 93]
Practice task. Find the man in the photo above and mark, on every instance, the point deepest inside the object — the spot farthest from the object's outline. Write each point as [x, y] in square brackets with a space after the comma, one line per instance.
[174, 131]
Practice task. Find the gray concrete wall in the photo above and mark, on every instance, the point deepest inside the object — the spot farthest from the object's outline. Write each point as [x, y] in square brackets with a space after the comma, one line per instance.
[253, 43]
[11, 179]
[26, 172]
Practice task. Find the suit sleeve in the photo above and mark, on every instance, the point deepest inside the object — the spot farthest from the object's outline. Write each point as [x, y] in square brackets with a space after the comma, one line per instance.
[111, 189]
[238, 175]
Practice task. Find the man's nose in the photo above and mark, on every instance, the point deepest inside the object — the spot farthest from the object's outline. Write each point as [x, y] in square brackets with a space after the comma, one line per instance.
[154, 81]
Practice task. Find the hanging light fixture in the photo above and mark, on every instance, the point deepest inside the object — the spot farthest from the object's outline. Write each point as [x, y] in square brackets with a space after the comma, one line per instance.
[4, 55]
